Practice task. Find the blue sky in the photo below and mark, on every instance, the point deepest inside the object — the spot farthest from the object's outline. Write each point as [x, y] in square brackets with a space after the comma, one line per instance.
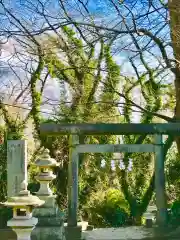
[101, 9]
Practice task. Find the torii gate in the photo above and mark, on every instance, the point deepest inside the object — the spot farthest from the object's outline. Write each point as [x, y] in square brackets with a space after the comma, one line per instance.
[74, 130]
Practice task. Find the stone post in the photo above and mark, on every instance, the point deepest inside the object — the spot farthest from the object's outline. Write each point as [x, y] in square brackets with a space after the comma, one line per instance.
[50, 220]
[16, 165]
[161, 201]
[73, 231]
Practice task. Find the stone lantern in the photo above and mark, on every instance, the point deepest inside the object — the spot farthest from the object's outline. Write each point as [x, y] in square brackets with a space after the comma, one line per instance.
[50, 219]
[45, 165]
[23, 222]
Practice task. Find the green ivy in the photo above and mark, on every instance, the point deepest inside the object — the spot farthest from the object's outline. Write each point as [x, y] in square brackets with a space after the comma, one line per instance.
[3, 172]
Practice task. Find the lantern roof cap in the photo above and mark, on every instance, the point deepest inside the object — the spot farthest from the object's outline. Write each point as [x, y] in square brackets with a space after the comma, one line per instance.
[23, 199]
[46, 160]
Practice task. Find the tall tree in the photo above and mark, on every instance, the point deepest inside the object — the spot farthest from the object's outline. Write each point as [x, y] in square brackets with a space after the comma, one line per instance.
[88, 100]
[174, 10]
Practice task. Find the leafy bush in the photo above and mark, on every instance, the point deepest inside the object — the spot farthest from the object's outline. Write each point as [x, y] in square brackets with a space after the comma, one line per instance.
[3, 172]
[33, 187]
[174, 215]
[5, 215]
[107, 209]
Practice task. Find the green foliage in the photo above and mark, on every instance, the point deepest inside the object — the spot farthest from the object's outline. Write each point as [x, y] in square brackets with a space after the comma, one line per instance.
[81, 71]
[5, 215]
[107, 209]
[174, 216]
[3, 172]
[35, 94]
[172, 168]
[33, 185]
[87, 83]
[140, 174]
[3, 166]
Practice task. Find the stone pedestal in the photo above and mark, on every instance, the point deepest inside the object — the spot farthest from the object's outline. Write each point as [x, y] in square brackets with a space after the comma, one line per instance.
[73, 233]
[50, 221]
[23, 228]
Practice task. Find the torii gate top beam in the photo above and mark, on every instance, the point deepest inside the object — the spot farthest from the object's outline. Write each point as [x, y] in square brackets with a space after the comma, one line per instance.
[110, 129]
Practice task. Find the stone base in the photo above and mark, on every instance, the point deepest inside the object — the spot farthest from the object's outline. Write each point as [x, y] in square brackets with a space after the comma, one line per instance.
[48, 233]
[48, 227]
[50, 221]
[23, 234]
[73, 233]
